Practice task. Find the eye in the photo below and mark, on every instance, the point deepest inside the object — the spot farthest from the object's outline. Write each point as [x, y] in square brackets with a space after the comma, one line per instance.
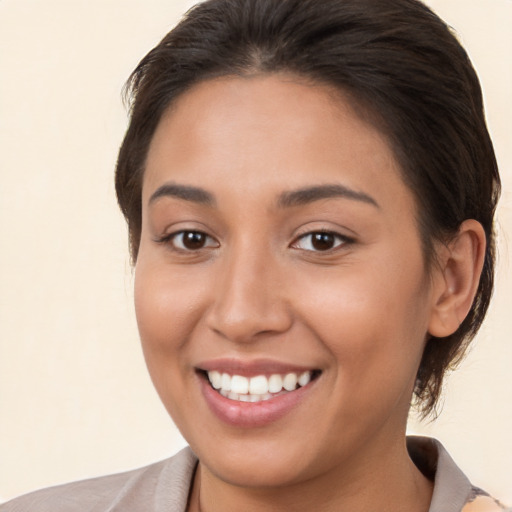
[189, 240]
[320, 241]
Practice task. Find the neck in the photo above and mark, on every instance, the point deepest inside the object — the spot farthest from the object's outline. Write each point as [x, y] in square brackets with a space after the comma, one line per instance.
[381, 481]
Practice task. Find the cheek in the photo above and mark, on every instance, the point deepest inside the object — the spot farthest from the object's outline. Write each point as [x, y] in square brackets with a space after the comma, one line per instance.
[167, 310]
[167, 306]
[373, 320]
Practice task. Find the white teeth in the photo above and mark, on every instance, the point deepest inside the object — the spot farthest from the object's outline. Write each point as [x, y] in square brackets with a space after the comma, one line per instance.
[304, 378]
[256, 389]
[225, 382]
[215, 379]
[290, 381]
[239, 384]
[258, 385]
[275, 383]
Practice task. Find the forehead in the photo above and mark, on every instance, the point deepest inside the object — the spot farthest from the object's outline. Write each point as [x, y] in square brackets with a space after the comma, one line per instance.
[276, 131]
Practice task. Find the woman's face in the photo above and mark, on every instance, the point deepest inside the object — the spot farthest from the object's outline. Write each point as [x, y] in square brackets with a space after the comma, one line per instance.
[279, 241]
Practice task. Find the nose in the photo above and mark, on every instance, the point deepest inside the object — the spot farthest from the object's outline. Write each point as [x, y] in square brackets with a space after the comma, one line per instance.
[249, 301]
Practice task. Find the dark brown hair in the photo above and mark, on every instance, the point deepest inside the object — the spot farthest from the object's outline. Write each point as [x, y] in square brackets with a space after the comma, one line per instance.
[397, 60]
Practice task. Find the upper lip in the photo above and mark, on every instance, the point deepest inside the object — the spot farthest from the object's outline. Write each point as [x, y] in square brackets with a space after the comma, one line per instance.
[252, 368]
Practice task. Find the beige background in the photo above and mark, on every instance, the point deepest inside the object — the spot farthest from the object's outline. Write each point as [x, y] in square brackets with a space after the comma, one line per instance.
[75, 400]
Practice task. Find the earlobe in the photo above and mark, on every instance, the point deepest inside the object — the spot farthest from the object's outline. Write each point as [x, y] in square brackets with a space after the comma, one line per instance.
[460, 266]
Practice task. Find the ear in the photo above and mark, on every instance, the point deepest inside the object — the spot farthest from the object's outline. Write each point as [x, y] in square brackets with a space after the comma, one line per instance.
[457, 278]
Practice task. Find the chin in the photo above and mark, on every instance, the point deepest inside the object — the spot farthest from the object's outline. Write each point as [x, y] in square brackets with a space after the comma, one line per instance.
[264, 461]
[245, 468]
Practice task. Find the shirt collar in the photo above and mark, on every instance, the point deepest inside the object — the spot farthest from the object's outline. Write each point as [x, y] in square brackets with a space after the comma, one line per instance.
[452, 489]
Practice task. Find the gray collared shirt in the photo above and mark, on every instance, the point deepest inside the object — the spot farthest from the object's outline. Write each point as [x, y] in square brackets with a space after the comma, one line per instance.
[164, 487]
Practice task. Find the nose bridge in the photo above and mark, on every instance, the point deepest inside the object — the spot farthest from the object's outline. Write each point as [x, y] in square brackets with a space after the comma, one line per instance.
[249, 299]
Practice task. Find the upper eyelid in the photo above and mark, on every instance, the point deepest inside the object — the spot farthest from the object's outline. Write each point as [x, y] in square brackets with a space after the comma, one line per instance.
[166, 237]
[325, 226]
[326, 231]
[345, 239]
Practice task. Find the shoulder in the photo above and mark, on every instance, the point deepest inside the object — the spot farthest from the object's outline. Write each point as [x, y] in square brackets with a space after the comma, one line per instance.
[453, 492]
[163, 486]
[480, 501]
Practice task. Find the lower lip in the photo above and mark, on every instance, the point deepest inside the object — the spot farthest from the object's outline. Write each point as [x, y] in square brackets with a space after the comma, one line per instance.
[252, 414]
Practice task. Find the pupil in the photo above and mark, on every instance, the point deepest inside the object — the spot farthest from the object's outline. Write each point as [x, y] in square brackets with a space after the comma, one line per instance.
[193, 240]
[323, 241]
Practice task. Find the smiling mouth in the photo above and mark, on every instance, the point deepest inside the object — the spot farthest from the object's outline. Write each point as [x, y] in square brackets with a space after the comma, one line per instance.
[260, 387]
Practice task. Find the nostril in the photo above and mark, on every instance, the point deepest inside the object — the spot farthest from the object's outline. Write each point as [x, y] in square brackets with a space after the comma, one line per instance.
[248, 322]
[249, 301]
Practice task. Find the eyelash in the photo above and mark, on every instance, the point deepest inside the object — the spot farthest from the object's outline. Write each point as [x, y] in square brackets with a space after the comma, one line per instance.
[339, 241]
[171, 238]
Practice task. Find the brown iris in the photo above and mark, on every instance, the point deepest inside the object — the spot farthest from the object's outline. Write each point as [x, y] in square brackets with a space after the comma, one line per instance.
[193, 240]
[323, 241]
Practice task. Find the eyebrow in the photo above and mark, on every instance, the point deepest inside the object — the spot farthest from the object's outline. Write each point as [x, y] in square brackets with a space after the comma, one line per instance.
[308, 195]
[185, 192]
[287, 199]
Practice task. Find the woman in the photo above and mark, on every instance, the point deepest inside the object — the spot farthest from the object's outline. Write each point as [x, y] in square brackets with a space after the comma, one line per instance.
[310, 191]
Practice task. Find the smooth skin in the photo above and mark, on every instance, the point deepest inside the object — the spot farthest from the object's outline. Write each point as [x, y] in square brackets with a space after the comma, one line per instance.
[233, 271]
